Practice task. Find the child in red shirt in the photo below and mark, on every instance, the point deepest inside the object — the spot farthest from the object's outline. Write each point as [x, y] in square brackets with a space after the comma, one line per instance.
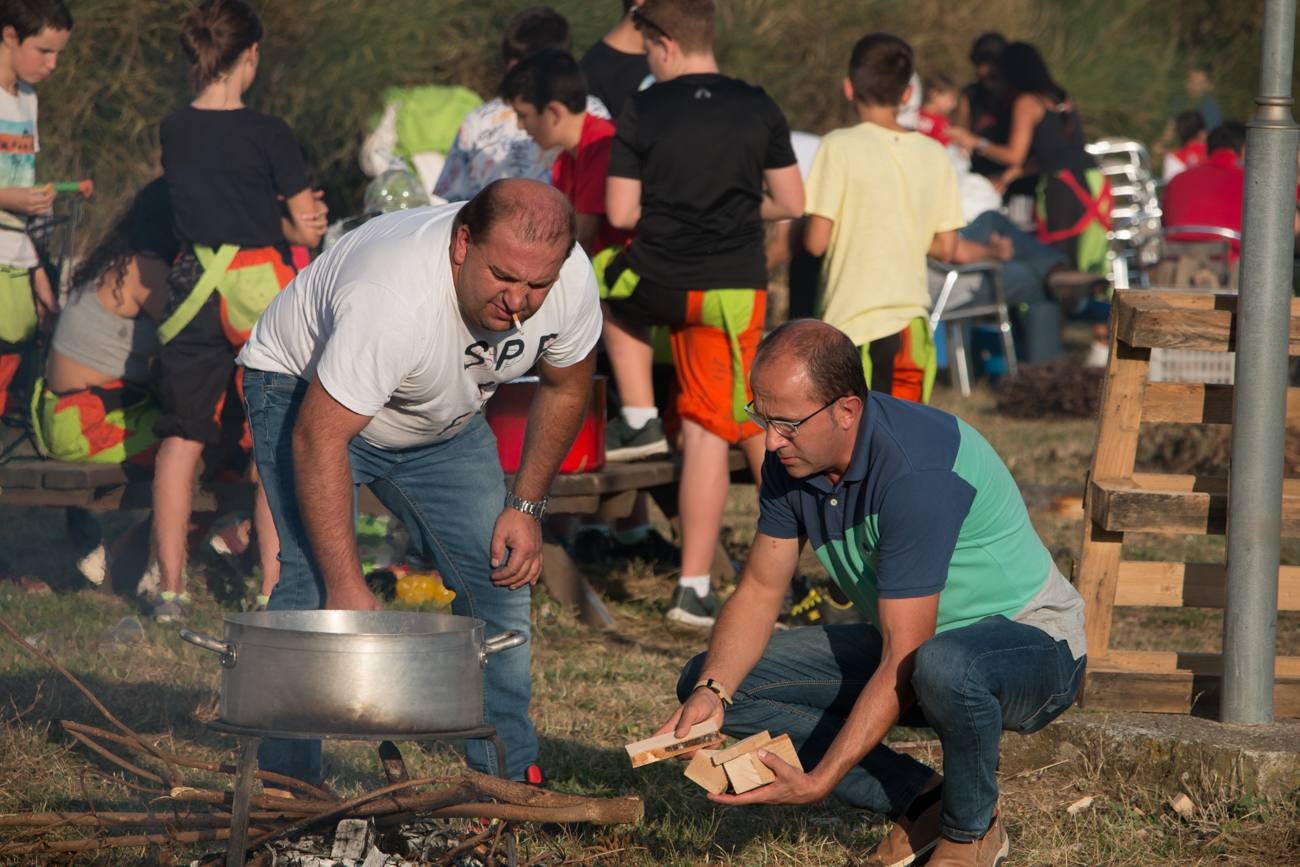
[549, 95]
[940, 100]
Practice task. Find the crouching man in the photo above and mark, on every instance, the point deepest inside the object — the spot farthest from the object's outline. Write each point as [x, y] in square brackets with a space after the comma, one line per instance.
[973, 629]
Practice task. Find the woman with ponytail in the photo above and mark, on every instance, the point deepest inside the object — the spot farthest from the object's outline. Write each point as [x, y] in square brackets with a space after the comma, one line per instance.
[231, 172]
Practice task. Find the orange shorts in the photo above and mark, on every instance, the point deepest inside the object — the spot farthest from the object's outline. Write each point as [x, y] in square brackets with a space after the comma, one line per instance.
[713, 352]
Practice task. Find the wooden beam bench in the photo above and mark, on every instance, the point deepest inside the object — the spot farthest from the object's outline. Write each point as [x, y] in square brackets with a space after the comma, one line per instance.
[27, 480]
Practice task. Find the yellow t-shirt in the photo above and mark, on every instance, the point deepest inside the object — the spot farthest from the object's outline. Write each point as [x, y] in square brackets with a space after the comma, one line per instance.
[888, 194]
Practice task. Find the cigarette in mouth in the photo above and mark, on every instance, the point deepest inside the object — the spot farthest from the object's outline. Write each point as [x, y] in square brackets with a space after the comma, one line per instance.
[515, 317]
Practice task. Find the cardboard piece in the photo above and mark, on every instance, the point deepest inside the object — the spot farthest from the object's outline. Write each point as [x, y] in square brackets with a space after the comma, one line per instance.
[705, 735]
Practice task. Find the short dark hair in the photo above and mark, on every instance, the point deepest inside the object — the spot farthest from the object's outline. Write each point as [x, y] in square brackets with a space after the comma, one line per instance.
[689, 23]
[880, 68]
[534, 29]
[832, 362]
[29, 17]
[937, 82]
[1230, 134]
[1187, 124]
[546, 77]
[493, 205]
[987, 48]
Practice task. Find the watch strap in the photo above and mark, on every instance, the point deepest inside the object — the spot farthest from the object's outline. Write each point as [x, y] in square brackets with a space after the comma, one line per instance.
[716, 688]
[533, 508]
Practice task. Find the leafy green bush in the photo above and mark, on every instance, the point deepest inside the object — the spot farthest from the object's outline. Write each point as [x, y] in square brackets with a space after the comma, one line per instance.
[325, 62]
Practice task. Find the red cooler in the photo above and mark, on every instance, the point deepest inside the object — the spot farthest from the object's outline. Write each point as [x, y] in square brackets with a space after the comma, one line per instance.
[507, 415]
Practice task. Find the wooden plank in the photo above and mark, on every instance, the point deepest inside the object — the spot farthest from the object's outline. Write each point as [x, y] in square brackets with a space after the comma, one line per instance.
[1168, 661]
[1191, 585]
[1096, 573]
[1199, 403]
[1175, 503]
[739, 748]
[702, 772]
[1184, 320]
[1173, 692]
[704, 735]
[748, 771]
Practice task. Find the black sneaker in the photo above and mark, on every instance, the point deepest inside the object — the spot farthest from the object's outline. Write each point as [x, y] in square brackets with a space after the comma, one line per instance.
[692, 609]
[652, 548]
[818, 606]
[626, 443]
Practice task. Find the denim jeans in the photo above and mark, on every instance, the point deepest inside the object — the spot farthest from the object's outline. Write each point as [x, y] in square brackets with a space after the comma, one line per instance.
[1024, 278]
[971, 684]
[448, 495]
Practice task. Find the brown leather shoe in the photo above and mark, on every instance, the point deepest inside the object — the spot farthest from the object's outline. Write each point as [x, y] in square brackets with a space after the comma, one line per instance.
[988, 851]
[913, 834]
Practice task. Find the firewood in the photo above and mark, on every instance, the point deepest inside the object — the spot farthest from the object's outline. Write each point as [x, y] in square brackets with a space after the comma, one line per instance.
[747, 771]
[705, 735]
[748, 745]
[705, 774]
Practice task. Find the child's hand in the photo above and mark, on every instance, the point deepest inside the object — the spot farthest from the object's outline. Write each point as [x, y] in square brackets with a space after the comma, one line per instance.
[36, 200]
[1002, 247]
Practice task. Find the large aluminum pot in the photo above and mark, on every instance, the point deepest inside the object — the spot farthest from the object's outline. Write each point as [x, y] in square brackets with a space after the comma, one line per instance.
[352, 672]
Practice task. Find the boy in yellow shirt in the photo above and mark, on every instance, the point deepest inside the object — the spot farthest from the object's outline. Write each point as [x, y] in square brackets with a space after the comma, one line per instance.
[881, 198]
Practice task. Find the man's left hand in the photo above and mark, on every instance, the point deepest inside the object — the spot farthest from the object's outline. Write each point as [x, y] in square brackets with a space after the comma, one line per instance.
[522, 535]
[791, 786]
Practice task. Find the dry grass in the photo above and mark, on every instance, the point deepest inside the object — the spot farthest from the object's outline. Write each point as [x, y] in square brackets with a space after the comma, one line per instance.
[593, 693]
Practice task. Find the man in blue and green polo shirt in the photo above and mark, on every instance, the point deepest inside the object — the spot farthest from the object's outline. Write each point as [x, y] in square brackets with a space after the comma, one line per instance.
[973, 629]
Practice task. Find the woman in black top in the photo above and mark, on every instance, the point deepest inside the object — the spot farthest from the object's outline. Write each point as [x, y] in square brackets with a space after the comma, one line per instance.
[1074, 199]
[231, 172]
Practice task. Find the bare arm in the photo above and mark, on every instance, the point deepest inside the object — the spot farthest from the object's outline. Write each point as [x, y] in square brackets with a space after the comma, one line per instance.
[817, 234]
[905, 624]
[308, 219]
[999, 248]
[623, 202]
[320, 446]
[944, 246]
[743, 628]
[1025, 115]
[553, 422]
[783, 193]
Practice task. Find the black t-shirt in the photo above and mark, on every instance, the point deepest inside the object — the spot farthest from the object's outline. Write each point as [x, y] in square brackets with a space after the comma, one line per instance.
[225, 169]
[613, 75]
[699, 144]
[990, 117]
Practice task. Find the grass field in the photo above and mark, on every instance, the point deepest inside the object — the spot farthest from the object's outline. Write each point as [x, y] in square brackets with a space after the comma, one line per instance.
[595, 692]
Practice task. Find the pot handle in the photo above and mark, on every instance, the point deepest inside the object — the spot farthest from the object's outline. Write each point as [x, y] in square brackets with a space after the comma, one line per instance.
[503, 641]
[207, 642]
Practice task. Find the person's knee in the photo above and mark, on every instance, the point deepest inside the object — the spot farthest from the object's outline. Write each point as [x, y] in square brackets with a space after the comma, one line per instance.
[690, 677]
[939, 669]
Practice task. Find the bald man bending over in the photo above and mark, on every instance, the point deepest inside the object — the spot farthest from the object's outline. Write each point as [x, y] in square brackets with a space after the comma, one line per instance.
[973, 630]
[372, 368]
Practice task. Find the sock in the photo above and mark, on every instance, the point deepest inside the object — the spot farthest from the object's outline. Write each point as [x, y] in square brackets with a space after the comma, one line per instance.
[169, 596]
[637, 416]
[699, 583]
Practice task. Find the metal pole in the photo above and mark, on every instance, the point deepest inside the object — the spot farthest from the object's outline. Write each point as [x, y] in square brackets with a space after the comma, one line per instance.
[1259, 405]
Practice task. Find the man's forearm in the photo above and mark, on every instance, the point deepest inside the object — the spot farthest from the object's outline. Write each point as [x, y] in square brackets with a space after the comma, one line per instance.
[741, 634]
[323, 482]
[553, 422]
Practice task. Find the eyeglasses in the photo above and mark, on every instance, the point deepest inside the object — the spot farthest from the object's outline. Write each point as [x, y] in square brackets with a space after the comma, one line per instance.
[642, 22]
[787, 429]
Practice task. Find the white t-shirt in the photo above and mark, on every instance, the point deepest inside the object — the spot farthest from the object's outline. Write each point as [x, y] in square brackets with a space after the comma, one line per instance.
[19, 144]
[376, 319]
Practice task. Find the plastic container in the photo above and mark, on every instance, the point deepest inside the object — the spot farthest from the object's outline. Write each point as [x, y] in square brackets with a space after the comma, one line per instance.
[507, 415]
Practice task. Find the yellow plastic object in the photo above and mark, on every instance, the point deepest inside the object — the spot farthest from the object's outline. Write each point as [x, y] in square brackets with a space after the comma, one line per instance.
[417, 588]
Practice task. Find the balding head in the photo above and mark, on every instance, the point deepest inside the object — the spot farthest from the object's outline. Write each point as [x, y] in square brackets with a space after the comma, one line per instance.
[821, 352]
[536, 213]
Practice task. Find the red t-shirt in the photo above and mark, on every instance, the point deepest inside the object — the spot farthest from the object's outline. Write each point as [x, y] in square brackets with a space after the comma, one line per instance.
[1207, 195]
[934, 125]
[581, 177]
[1191, 154]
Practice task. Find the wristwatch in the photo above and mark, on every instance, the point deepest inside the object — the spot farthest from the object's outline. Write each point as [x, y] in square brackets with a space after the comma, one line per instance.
[535, 508]
[716, 688]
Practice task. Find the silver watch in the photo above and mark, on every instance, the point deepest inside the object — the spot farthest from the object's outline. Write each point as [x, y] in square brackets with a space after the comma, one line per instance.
[535, 508]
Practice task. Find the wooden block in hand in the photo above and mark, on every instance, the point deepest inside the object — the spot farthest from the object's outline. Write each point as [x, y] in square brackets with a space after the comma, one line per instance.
[747, 771]
[748, 745]
[705, 774]
[705, 735]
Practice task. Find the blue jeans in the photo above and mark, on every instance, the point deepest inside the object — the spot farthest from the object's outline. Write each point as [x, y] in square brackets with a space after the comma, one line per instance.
[448, 496]
[1024, 278]
[971, 684]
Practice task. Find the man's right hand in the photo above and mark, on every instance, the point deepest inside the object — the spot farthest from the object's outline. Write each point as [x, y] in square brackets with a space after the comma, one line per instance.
[352, 597]
[703, 705]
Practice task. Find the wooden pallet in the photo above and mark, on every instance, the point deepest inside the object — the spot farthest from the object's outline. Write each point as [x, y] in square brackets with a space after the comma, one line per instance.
[1119, 500]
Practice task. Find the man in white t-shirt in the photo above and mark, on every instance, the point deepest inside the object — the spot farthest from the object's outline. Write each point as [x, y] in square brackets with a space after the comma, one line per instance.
[372, 367]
